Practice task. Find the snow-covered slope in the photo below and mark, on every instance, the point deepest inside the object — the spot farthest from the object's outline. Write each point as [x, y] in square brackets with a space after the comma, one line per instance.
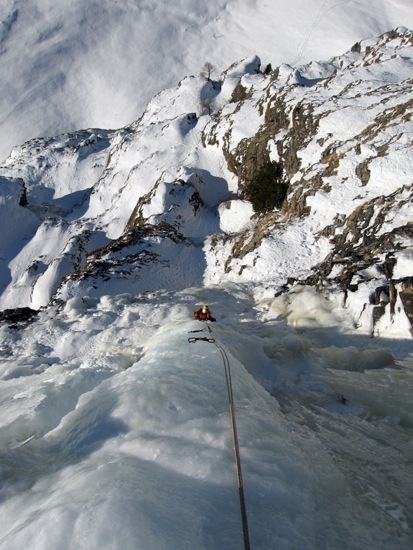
[161, 203]
[78, 64]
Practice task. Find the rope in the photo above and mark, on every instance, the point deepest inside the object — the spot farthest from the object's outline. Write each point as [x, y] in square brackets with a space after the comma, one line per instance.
[228, 379]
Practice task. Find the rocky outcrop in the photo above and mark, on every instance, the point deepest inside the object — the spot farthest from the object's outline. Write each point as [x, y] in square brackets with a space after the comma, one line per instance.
[406, 296]
[17, 316]
[296, 118]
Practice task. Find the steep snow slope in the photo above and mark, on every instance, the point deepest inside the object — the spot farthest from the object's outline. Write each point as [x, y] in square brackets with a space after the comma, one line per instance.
[161, 203]
[80, 64]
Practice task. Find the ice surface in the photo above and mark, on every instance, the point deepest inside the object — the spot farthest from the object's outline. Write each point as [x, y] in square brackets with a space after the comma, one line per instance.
[115, 430]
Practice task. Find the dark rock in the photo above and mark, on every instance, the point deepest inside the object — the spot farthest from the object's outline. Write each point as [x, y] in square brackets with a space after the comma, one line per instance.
[18, 315]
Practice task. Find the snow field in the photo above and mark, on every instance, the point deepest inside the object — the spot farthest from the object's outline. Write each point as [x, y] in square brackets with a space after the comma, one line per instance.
[74, 57]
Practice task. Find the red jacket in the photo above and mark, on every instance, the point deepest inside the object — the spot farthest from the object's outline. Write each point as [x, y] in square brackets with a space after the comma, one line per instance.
[199, 314]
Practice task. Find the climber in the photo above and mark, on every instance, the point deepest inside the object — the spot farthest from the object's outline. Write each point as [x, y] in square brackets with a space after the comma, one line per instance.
[203, 314]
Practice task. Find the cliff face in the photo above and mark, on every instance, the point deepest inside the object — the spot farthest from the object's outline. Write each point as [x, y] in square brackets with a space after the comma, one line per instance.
[342, 132]
[163, 203]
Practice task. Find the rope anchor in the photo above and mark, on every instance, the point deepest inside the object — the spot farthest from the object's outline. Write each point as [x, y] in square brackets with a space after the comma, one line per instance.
[204, 339]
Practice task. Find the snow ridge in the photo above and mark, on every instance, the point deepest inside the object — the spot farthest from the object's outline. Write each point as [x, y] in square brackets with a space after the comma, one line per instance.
[112, 211]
